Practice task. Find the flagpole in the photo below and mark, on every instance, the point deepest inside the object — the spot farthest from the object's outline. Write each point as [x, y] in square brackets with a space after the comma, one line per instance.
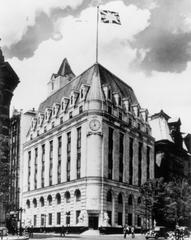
[97, 33]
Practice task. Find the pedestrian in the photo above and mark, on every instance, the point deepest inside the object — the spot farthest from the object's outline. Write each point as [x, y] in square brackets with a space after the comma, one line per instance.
[62, 231]
[132, 232]
[125, 230]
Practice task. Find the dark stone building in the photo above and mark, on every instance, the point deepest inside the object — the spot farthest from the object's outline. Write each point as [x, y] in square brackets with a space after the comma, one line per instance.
[8, 83]
[172, 158]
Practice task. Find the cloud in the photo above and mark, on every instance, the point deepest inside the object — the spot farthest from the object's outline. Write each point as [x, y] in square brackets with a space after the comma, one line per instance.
[25, 24]
[166, 41]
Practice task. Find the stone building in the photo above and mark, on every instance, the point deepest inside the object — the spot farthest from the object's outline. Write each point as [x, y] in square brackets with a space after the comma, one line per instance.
[172, 157]
[19, 126]
[88, 150]
[8, 83]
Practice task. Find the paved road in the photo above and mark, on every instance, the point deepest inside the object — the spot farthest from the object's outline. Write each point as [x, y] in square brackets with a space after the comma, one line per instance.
[100, 237]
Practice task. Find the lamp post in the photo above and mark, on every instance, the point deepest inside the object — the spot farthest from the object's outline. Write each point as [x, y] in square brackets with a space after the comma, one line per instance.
[20, 211]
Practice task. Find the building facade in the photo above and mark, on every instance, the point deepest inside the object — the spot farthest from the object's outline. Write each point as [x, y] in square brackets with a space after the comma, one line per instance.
[19, 126]
[87, 152]
[172, 157]
[8, 83]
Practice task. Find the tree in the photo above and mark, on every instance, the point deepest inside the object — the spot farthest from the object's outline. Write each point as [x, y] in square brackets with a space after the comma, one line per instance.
[167, 203]
[178, 202]
[152, 193]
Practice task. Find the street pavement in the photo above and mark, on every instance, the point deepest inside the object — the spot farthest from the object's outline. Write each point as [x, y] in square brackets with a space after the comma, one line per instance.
[97, 237]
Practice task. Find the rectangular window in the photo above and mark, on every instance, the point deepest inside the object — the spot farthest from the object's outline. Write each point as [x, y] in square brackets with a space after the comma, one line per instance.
[140, 163]
[119, 218]
[80, 109]
[148, 162]
[130, 219]
[109, 109]
[50, 162]
[77, 216]
[59, 158]
[109, 213]
[67, 218]
[78, 165]
[68, 155]
[43, 165]
[131, 161]
[58, 218]
[121, 137]
[43, 220]
[120, 115]
[110, 153]
[50, 219]
[34, 220]
[61, 120]
[70, 114]
[29, 169]
[138, 221]
[35, 168]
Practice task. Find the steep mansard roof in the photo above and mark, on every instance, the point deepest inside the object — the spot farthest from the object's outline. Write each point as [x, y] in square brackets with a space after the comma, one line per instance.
[89, 77]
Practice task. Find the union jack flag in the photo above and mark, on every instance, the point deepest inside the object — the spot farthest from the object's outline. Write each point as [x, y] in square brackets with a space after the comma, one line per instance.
[110, 17]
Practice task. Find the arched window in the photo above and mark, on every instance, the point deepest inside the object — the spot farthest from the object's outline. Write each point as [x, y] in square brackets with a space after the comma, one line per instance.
[130, 200]
[42, 202]
[120, 198]
[58, 198]
[67, 196]
[28, 203]
[109, 196]
[34, 202]
[49, 198]
[78, 195]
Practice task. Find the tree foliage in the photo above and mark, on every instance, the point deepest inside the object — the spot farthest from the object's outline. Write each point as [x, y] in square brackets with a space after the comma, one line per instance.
[167, 203]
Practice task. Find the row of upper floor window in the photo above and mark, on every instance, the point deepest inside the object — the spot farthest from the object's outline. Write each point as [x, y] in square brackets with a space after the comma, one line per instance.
[131, 121]
[51, 113]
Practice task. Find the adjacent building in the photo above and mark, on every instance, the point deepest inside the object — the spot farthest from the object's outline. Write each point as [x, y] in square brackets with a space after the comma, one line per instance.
[19, 127]
[8, 83]
[172, 157]
[88, 150]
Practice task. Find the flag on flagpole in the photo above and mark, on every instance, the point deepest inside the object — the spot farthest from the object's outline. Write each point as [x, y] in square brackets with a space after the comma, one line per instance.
[110, 17]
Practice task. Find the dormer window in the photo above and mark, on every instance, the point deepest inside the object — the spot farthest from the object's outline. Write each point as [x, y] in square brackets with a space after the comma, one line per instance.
[61, 120]
[109, 109]
[117, 98]
[45, 130]
[119, 101]
[80, 109]
[82, 93]
[52, 124]
[109, 94]
[64, 104]
[40, 119]
[71, 100]
[48, 114]
[120, 115]
[56, 107]
[70, 114]
[136, 110]
[34, 123]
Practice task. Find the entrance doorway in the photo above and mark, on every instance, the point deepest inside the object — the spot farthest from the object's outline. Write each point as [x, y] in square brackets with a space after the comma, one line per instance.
[93, 221]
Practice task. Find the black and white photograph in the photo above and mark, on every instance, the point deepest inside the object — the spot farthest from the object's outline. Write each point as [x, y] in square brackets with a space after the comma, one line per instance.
[95, 119]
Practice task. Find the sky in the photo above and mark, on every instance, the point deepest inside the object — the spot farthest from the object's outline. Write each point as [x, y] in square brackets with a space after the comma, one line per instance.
[150, 50]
